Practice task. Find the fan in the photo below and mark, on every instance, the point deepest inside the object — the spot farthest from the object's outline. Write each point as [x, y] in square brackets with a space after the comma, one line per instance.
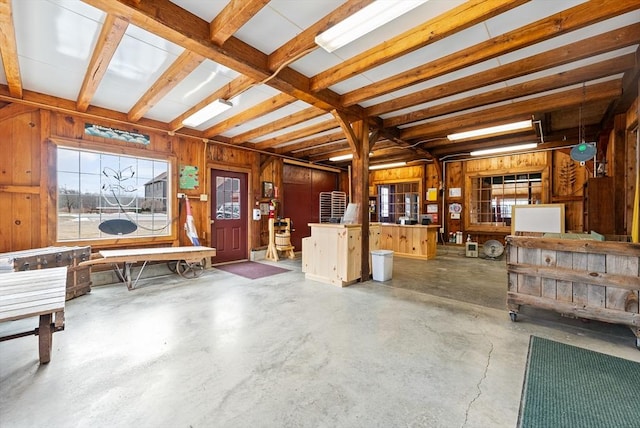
[493, 249]
[583, 152]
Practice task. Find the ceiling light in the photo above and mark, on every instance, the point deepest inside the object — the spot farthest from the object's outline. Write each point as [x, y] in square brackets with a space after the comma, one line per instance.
[207, 112]
[519, 147]
[387, 165]
[362, 22]
[344, 157]
[492, 130]
[341, 158]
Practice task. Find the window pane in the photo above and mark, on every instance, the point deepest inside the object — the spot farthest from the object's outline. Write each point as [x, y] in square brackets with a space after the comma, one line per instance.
[492, 198]
[105, 186]
[398, 200]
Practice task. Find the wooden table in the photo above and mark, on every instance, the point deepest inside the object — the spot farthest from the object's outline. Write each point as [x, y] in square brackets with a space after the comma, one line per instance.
[33, 293]
[188, 262]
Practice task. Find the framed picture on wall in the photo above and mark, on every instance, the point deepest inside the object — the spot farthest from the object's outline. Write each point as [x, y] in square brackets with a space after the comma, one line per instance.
[267, 189]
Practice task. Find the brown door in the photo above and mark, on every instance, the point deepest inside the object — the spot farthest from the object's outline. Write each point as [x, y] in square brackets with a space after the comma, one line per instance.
[229, 216]
[301, 198]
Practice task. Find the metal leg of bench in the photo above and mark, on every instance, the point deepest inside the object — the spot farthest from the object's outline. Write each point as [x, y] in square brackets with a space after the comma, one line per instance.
[139, 273]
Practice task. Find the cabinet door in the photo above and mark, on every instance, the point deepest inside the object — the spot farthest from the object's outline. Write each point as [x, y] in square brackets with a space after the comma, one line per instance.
[599, 206]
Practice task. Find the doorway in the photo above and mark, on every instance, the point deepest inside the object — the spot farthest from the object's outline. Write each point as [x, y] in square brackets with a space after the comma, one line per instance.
[229, 215]
[301, 201]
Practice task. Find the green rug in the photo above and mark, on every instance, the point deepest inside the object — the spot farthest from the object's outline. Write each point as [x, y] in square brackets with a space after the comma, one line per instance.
[566, 386]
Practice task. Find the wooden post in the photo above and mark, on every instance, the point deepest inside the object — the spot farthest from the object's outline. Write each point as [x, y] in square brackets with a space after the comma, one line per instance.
[360, 186]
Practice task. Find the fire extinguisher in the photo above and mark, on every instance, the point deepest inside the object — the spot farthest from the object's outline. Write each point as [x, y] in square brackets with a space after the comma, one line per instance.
[272, 210]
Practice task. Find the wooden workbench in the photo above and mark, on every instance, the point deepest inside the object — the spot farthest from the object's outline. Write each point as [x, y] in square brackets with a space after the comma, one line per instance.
[34, 293]
[188, 262]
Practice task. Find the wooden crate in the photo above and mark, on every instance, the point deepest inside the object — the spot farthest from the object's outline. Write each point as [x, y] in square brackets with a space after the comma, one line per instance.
[587, 279]
[78, 277]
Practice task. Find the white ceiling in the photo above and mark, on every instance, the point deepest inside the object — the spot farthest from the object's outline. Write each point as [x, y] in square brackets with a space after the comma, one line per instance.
[56, 39]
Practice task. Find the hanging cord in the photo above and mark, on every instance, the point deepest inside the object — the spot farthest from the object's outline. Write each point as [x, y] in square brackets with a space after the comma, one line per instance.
[581, 129]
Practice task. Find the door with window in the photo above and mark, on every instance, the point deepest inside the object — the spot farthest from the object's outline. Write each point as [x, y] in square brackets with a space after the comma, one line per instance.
[229, 216]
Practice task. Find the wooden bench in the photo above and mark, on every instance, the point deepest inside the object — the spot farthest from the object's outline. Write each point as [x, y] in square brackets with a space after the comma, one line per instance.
[188, 262]
[33, 293]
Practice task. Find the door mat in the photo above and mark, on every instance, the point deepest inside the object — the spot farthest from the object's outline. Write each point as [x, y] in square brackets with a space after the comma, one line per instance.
[567, 386]
[251, 270]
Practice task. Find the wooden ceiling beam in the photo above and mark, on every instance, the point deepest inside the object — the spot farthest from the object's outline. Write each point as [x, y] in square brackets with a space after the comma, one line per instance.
[110, 36]
[312, 142]
[296, 135]
[555, 81]
[261, 109]
[98, 114]
[176, 25]
[596, 45]
[453, 21]
[318, 155]
[15, 109]
[176, 73]
[352, 138]
[518, 110]
[325, 151]
[285, 122]
[305, 42]
[629, 93]
[394, 134]
[572, 19]
[234, 15]
[9, 51]
[233, 88]
[438, 149]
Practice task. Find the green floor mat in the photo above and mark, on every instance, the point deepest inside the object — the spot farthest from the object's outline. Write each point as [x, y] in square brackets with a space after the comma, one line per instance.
[566, 386]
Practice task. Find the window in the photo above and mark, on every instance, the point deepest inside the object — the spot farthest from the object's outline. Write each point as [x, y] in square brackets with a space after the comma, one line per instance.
[228, 198]
[492, 197]
[398, 200]
[95, 186]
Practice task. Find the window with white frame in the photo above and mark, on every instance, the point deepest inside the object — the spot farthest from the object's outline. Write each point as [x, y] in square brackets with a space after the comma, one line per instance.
[94, 187]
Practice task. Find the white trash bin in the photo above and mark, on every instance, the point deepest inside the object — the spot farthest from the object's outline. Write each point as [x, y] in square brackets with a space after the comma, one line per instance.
[382, 261]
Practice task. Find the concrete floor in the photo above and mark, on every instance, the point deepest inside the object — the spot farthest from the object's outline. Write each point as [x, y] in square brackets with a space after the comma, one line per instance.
[225, 351]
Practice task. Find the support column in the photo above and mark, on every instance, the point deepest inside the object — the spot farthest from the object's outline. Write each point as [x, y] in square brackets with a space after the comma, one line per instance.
[360, 186]
[357, 134]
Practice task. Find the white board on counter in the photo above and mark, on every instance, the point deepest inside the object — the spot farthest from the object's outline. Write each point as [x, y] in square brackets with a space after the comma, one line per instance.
[537, 218]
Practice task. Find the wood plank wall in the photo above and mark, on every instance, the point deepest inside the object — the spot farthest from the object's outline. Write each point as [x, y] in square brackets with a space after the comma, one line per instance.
[27, 176]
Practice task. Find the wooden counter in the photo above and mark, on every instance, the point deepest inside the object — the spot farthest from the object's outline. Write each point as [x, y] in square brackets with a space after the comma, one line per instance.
[414, 241]
[333, 253]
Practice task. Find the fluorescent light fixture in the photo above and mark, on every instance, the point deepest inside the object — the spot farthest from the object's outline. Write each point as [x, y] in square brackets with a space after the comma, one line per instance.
[362, 22]
[387, 165]
[518, 147]
[344, 157]
[492, 130]
[208, 112]
[340, 158]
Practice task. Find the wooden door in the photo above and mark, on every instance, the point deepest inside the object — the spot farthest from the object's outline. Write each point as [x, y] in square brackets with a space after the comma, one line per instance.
[301, 198]
[229, 215]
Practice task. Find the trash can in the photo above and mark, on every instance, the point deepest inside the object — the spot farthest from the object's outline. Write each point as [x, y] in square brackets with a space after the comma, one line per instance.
[382, 264]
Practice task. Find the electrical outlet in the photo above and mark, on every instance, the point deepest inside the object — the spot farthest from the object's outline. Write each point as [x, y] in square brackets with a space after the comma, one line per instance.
[204, 197]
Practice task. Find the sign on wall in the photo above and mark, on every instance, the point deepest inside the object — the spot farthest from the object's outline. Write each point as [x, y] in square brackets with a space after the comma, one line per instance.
[116, 134]
[189, 177]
